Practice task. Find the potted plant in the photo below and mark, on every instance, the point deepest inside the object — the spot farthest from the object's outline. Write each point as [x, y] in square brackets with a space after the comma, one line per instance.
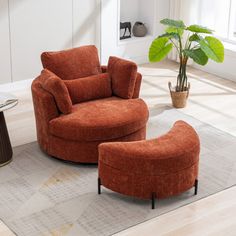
[193, 42]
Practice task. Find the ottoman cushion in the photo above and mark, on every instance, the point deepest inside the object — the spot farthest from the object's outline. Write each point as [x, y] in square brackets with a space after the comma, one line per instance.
[169, 153]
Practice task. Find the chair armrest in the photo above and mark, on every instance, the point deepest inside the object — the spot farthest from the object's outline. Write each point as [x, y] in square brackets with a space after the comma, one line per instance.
[123, 75]
[55, 86]
[43, 101]
[45, 109]
[137, 85]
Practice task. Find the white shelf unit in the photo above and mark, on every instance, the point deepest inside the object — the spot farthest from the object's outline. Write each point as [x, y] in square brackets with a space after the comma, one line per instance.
[135, 39]
[137, 10]
[116, 11]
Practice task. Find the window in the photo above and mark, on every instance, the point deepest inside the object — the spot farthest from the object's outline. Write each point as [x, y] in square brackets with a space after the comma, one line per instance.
[219, 15]
[232, 21]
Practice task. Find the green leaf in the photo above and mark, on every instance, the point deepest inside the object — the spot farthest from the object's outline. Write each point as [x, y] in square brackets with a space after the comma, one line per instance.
[213, 48]
[169, 35]
[195, 38]
[159, 49]
[175, 30]
[197, 55]
[173, 23]
[199, 29]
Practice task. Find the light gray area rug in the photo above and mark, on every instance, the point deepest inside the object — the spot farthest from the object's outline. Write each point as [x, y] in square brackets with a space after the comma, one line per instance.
[43, 196]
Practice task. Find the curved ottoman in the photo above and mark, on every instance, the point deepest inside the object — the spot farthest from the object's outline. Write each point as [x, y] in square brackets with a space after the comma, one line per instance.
[152, 169]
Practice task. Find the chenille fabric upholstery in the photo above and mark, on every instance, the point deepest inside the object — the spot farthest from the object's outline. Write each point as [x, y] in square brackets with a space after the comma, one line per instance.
[96, 116]
[101, 119]
[137, 85]
[73, 63]
[89, 88]
[123, 76]
[54, 85]
[166, 166]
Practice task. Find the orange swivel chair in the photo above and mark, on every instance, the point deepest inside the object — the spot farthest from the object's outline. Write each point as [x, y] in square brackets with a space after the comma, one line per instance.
[79, 104]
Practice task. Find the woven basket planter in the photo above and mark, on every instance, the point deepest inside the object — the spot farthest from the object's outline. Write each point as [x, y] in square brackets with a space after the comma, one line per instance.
[179, 99]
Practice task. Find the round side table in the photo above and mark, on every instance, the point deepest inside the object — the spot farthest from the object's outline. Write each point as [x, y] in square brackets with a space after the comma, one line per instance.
[5, 144]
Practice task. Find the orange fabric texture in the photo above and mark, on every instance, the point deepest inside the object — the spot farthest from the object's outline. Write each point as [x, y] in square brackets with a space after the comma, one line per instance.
[138, 82]
[84, 151]
[89, 88]
[137, 86]
[101, 119]
[54, 85]
[76, 136]
[123, 76]
[166, 166]
[45, 109]
[73, 63]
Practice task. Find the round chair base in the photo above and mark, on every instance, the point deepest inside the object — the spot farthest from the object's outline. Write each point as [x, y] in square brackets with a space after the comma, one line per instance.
[83, 152]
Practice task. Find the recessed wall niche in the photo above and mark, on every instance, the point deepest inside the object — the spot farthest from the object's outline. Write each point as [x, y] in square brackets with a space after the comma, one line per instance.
[136, 11]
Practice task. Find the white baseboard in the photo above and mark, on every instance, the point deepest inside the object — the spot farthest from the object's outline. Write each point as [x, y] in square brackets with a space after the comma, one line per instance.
[225, 70]
[223, 73]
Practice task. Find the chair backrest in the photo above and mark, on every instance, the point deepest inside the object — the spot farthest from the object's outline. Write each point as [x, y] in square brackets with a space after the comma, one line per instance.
[73, 63]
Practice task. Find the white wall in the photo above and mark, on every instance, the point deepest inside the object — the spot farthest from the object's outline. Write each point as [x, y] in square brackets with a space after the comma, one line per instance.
[129, 10]
[86, 22]
[146, 14]
[5, 60]
[138, 10]
[136, 50]
[29, 27]
[191, 12]
[37, 26]
[234, 20]
[226, 69]
[163, 11]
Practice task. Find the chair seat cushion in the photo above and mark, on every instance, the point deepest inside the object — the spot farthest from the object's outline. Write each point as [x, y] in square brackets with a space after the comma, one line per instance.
[101, 119]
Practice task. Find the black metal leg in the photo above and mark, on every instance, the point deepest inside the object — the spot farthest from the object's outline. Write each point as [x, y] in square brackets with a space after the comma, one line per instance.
[153, 200]
[99, 186]
[196, 187]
